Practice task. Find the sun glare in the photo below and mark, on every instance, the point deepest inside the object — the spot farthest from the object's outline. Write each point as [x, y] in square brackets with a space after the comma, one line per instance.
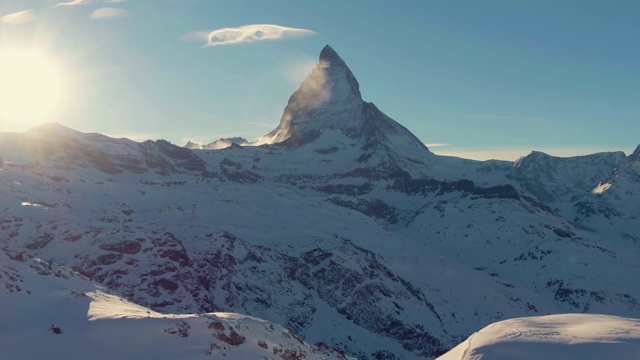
[31, 88]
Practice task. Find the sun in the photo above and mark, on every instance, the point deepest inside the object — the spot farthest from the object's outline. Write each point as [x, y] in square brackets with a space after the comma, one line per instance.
[31, 87]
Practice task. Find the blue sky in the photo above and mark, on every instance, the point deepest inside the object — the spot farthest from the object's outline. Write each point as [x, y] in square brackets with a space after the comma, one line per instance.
[478, 79]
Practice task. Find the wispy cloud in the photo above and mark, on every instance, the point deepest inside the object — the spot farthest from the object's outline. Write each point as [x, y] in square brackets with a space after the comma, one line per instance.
[71, 3]
[296, 70]
[108, 13]
[246, 34]
[19, 18]
[436, 145]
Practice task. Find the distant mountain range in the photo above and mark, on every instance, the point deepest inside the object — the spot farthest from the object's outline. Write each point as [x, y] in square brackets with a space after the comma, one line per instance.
[340, 225]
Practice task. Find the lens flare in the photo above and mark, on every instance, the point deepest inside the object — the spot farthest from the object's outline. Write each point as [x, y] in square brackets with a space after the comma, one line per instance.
[31, 87]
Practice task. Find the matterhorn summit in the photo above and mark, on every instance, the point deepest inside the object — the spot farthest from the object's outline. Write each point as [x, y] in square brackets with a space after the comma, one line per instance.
[327, 112]
[328, 97]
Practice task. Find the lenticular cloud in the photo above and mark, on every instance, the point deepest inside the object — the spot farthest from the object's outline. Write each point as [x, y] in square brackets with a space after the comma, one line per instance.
[252, 33]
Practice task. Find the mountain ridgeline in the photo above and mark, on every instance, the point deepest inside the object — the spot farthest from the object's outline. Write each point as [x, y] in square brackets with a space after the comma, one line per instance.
[339, 225]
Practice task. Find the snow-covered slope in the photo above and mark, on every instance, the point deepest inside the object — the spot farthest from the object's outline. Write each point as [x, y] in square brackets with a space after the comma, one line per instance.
[553, 337]
[341, 226]
[37, 296]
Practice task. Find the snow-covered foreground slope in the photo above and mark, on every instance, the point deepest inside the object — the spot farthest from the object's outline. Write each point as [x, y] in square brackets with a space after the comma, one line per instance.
[36, 295]
[553, 337]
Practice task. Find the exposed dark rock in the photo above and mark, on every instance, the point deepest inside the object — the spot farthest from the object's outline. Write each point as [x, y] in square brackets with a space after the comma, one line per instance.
[351, 190]
[375, 208]
[108, 259]
[125, 247]
[41, 241]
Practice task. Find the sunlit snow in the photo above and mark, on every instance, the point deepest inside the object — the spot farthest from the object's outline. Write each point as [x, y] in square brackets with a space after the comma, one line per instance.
[553, 337]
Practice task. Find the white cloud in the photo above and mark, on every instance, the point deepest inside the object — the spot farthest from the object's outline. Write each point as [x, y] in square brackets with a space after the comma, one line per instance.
[108, 13]
[19, 18]
[74, 2]
[246, 34]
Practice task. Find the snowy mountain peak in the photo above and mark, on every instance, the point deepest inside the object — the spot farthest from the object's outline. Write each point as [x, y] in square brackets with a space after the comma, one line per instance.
[328, 116]
[51, 129]
[336, 68]
[327, 98]
[534, 156]
[330, 55]
[551, 178]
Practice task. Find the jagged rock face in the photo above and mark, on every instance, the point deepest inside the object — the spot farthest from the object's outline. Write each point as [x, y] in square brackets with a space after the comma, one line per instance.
[347, 231]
